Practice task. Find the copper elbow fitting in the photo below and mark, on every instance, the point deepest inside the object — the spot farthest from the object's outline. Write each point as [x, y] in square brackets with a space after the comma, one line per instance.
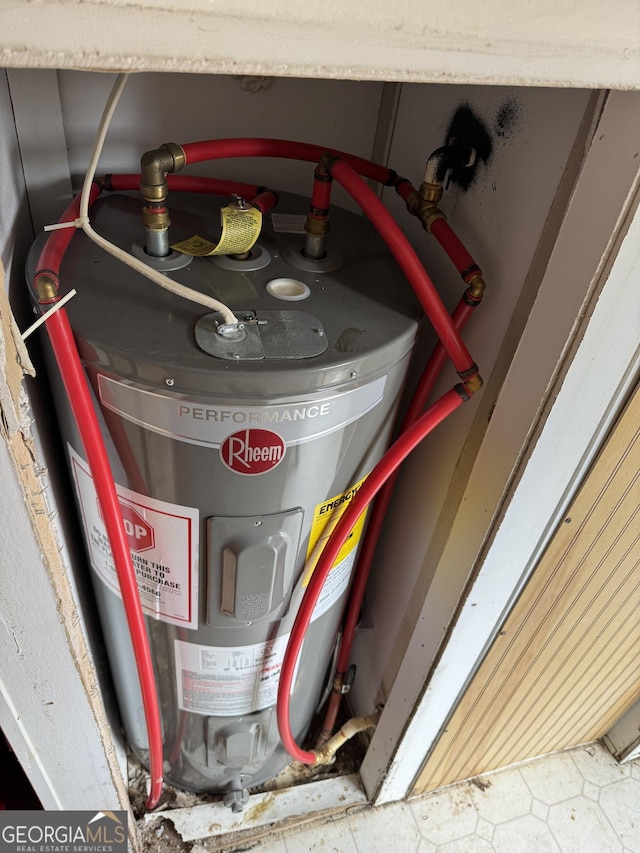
[476, 286]
[46, 288]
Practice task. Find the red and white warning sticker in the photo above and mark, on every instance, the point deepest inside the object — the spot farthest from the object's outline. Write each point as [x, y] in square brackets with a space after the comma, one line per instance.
[163, 538]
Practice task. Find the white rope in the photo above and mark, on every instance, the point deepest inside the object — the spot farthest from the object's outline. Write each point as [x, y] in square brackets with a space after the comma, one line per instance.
[43, 319]
[139, 266]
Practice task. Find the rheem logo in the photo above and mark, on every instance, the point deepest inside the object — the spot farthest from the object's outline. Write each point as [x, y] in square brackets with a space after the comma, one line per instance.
[252, 451]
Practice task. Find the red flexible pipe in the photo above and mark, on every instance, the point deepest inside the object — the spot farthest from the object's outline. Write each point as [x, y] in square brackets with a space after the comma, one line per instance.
[431, 372]
[186, 184]
[461, 314]
[404, 189]
[79, 395]
[219, 149]
[409, 262]
[321, 194]
[75, 384]
[448, 239]
[264, 201]
[53, 251]
[455, 249]
[371, 486]
[262, 198]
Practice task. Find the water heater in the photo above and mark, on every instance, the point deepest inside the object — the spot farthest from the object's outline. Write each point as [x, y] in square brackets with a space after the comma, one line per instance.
[232, 456]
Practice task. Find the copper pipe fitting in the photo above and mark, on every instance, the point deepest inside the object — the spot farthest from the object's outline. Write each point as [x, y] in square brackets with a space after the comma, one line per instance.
[154, 167]
[47, 288]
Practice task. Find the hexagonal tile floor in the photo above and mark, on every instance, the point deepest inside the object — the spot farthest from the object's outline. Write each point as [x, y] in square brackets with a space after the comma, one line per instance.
[579, 801]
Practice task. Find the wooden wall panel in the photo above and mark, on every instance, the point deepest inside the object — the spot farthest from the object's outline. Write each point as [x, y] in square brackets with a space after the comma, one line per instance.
[566, 663]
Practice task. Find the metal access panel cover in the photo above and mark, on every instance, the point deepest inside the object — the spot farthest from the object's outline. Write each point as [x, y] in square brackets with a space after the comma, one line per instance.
[251, 564]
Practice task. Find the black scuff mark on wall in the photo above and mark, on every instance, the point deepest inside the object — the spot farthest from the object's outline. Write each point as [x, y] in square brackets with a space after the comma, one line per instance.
[467, 132]
[508, 120]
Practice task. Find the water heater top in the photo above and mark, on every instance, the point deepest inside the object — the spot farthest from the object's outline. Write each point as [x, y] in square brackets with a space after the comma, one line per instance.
[309, 323]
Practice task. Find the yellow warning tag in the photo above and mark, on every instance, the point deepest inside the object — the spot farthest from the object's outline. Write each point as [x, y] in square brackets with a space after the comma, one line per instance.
[240, 230]
[325, 518]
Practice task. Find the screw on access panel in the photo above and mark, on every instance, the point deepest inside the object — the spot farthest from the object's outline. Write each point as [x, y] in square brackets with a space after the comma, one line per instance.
[168, 382]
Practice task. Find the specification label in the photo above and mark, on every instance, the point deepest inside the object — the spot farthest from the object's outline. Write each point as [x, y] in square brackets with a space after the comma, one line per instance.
[163, 539]
[225, 681]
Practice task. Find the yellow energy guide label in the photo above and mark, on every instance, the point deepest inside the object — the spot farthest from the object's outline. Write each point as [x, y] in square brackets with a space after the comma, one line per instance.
[325, 517]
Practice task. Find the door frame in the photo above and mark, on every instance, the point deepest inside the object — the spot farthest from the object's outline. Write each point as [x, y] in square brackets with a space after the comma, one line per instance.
[567, 415]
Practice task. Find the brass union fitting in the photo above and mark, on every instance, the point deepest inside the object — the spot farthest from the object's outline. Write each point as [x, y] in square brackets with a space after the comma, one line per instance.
[315, 227]
[154, 219]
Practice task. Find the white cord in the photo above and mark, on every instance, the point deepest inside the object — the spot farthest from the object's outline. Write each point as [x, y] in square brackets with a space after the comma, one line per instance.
[43, 319]
[139, 266]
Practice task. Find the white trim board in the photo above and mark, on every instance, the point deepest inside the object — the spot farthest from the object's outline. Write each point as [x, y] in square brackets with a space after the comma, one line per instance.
[272, 810]
[560, 44]
[44, 708]
[604, 365]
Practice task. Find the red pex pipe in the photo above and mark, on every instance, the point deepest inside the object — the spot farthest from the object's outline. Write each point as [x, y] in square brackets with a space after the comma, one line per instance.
[455, 249]
[80, 400]
[460, 317]
[262, 198]
[187, 184]
[219, 149]
[265, 201]
[409, 262]
[396, 454]
[58, 242]
[75, 384]
[321, 195]
[446, 236]
[431, 372]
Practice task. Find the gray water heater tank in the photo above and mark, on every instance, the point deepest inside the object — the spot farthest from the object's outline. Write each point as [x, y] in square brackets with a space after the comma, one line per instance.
[230, 456]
